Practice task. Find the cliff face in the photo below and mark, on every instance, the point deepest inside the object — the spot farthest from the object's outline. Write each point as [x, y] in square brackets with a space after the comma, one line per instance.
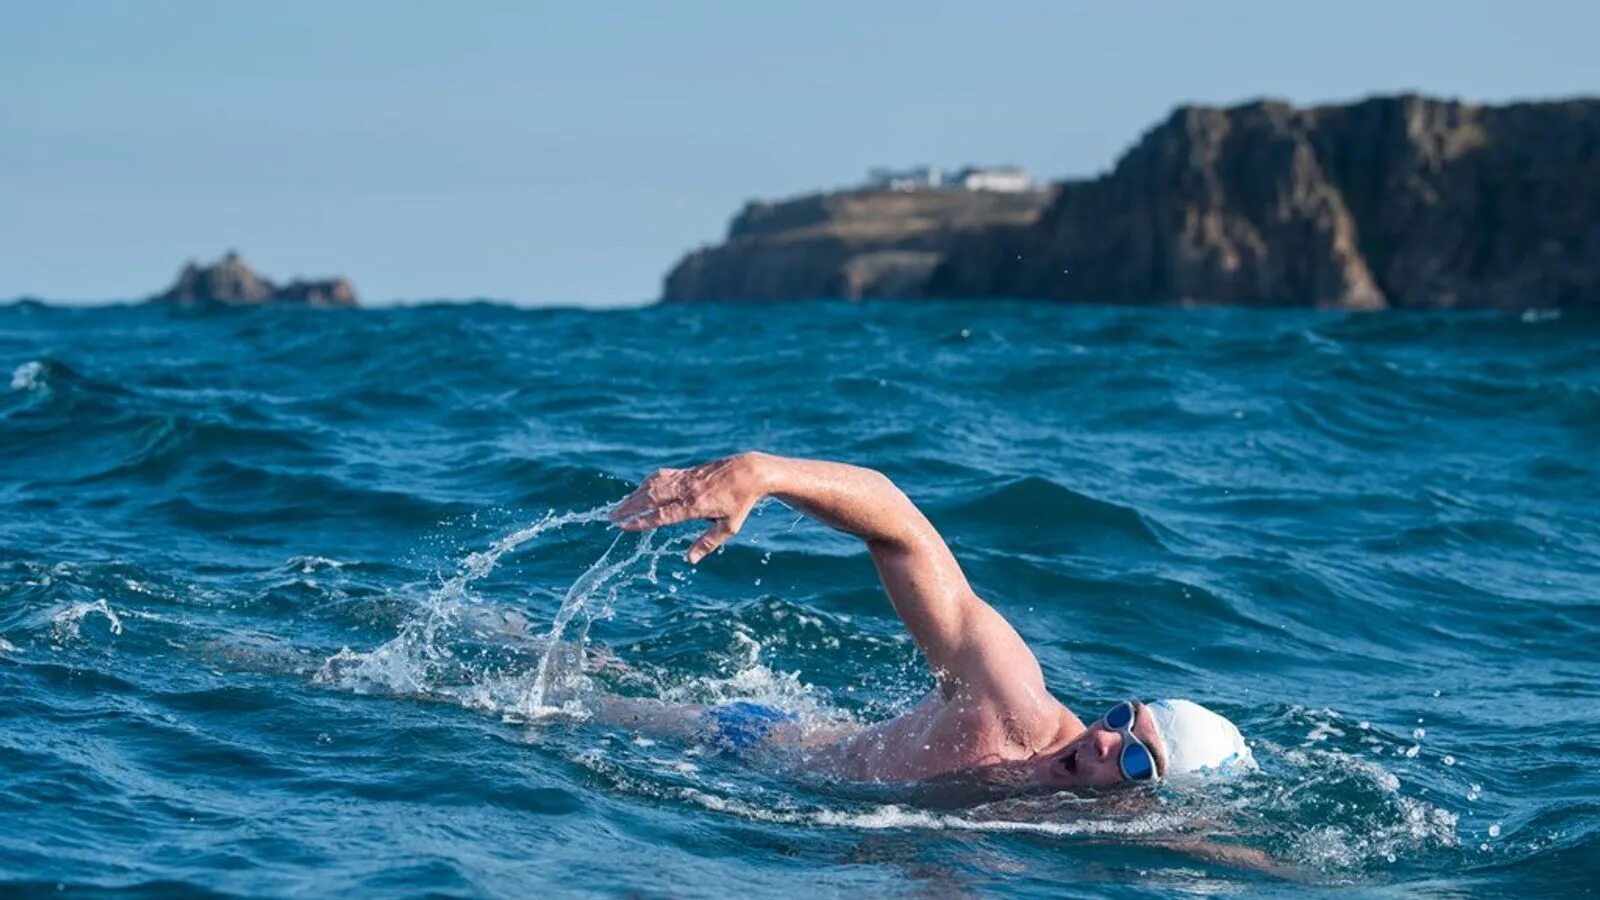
[1404, 202]
[853, 244]
[231, 282]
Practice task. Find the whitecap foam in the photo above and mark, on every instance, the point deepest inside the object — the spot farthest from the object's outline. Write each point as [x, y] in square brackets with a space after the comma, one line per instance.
[66, 622]
[307, 565]
[29, 377]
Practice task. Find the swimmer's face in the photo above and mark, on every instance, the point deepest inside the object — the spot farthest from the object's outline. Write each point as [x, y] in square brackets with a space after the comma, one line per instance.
[1092, 759]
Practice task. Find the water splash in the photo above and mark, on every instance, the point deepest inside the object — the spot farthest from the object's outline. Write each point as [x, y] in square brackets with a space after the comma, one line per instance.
[576, 601]
[402, 665]
[420, 659]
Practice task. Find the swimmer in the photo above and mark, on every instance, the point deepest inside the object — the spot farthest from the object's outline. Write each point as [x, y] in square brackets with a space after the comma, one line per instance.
[991, 712]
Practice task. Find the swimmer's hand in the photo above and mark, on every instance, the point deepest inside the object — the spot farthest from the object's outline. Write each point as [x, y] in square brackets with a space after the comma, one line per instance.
[723, 491]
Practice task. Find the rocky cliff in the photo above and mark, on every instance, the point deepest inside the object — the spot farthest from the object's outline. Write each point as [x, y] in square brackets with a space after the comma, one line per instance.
[1390, 202]
[231, 282]
[851, 244]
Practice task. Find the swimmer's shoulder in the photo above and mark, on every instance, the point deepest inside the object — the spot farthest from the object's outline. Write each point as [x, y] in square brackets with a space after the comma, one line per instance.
[1033, 719]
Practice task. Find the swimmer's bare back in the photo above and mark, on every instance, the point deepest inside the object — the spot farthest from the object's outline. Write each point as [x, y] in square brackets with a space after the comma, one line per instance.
[991, 705]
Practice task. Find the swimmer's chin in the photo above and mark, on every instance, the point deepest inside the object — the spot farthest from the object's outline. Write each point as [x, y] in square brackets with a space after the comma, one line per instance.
[1017, 779]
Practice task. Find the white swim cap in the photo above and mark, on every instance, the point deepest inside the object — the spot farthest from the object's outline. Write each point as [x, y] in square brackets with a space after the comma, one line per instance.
[1197, 740]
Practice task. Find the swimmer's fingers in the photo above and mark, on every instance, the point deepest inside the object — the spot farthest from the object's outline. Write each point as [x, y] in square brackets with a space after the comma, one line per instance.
[711, 540]
[713, 490]
[667, 514]
[631, 509]
[715, 537]
[655, 492]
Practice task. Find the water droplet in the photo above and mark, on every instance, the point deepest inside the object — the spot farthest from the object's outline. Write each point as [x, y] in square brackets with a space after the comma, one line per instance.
[1417, 733]
[1412, 751]
[1390, 857]
[1494, 830]
[1449, 760]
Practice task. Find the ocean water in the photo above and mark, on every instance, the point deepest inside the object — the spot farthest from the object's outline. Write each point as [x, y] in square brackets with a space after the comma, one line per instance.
[278, 588]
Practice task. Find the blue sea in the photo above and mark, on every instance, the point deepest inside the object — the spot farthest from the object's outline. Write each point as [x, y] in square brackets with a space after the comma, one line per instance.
[289, 599]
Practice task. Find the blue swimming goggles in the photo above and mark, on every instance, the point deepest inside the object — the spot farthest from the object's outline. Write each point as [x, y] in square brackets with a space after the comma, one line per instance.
[1137, 762]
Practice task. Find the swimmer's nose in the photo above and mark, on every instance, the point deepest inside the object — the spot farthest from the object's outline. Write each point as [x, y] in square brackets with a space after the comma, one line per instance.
[1105, 743]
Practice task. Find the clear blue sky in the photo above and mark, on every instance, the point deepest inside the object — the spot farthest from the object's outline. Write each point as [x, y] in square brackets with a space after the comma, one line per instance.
[570, 153]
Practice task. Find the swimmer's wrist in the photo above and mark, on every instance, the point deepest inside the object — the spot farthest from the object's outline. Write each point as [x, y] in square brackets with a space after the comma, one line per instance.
[765, 472]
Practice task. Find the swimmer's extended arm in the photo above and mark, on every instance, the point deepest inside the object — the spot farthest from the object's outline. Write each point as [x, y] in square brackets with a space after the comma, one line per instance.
[964, 639]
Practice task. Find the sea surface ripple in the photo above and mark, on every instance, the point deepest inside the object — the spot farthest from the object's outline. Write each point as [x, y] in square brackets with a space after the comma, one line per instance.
[276, 590]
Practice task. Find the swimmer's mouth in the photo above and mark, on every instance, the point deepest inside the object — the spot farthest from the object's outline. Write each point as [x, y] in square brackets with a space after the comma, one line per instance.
[1070, 763]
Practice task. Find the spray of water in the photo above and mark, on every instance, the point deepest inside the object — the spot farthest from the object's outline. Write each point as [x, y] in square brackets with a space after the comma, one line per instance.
[402, 664]
[412, 661]
[601, 572]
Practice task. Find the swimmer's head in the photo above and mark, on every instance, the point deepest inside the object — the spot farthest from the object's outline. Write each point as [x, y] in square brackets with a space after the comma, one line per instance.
[1198, 741]
[1181, 739]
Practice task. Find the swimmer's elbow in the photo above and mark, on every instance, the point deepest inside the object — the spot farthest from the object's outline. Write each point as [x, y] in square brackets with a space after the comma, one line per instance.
[894, 524]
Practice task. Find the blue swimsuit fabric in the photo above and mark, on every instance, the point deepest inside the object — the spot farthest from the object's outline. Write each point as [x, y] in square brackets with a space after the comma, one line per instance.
[736, 727]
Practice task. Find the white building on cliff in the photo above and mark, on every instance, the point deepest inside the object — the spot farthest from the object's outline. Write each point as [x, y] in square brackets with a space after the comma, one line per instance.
[1009, 179]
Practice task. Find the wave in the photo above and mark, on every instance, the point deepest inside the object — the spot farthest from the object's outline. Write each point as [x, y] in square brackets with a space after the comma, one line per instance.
[1062, 519]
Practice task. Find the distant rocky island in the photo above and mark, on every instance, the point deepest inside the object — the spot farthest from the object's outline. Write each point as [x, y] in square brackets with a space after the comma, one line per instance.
[231, 282]
[1391, 202]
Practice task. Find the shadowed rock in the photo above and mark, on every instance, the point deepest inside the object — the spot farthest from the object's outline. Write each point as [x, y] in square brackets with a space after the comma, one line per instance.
[231, 282]
[849, 244]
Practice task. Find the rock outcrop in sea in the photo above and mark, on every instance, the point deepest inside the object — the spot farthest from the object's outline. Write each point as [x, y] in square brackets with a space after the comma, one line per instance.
[1388, 202]
[231, 282]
